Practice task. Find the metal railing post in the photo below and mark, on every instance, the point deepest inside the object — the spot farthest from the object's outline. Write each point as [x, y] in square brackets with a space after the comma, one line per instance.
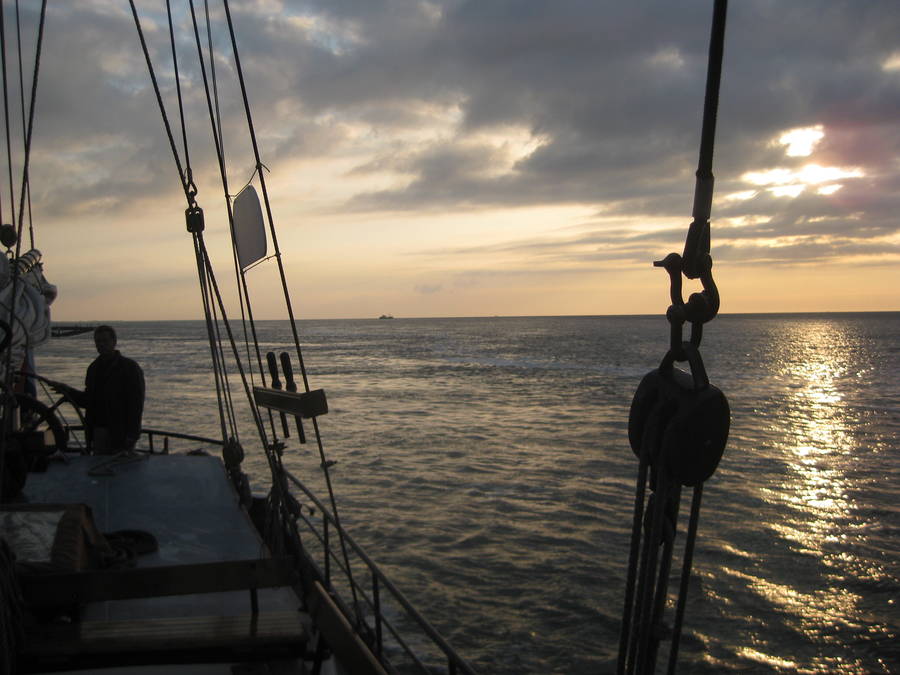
[376, 600]
[327, 546]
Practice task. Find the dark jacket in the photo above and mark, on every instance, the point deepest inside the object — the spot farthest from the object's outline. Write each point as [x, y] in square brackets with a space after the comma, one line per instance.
[113, 398]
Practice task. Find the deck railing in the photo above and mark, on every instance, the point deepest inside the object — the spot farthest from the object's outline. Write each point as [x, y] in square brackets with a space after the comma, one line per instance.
[153, 434]
[374, 596]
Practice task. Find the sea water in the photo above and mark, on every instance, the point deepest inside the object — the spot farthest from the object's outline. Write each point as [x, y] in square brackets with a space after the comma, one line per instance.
[484, 463]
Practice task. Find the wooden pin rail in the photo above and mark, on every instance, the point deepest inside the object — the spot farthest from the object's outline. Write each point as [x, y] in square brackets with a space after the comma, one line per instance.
[307, 404]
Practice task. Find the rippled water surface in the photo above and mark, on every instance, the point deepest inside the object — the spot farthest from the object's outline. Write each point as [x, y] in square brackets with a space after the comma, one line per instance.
[485, 464]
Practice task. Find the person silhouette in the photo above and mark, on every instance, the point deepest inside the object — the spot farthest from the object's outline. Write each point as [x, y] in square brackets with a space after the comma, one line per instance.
[113, 396]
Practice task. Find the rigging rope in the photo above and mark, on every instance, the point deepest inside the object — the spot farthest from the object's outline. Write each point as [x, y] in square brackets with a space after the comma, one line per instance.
[223, 388]
[162, 109]
[187, 156]
[688, 556]
[262, 185]
[190, 191]
[8, 401]
[9, 161]
[244, 295]
[220, 351]
[22, 102]
[28, 133]
[287, 299]
[678, 424]
[207, 264]
[212, 70]
[204, 293]
[195, 226]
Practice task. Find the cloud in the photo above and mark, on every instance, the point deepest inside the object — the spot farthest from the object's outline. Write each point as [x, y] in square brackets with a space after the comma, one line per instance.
[468, 105]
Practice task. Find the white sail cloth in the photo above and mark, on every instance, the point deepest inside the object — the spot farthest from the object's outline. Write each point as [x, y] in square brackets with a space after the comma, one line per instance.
[29, 309]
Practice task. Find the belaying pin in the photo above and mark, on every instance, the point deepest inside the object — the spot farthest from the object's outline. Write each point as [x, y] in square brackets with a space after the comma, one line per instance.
[290, 385]
[276, 384]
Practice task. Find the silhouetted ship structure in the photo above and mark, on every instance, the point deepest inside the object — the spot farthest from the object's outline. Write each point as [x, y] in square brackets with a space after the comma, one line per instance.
[153, 557]
[69, 331]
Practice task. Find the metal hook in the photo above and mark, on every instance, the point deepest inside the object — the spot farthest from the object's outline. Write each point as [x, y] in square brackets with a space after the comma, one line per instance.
[699, 309]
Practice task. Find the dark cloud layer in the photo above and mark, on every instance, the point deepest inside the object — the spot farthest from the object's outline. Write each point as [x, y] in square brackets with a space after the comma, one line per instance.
[612, 90]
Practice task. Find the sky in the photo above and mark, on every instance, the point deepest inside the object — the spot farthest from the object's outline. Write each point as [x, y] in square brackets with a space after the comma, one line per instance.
[468, 157]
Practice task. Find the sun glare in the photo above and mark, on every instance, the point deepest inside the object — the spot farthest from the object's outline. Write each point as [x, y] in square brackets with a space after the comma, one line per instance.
[783, 182]
[802, 141]
[813, 174]
[787, 190]
[741, 196]
[770, 177]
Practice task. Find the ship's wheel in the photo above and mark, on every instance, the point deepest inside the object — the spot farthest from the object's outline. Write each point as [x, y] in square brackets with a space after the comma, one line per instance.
[33, 415]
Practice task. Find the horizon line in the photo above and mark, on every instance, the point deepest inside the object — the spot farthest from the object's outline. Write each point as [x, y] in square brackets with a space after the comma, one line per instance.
[496, 316]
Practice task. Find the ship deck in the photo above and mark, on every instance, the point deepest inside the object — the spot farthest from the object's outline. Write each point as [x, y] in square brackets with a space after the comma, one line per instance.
[205, 541]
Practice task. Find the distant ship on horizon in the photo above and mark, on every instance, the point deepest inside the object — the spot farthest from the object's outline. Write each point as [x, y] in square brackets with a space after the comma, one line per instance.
[385, 316]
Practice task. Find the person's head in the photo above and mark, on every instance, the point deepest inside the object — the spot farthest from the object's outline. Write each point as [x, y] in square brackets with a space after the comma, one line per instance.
[105, 339]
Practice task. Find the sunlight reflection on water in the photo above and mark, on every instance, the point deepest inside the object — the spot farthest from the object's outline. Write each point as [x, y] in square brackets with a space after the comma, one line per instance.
[819, 444]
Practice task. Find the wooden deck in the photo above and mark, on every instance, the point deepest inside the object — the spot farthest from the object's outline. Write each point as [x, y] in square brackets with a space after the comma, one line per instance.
[209, 594]
[213, 639]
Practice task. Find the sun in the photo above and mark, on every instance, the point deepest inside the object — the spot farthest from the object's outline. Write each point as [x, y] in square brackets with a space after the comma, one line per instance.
[802, 141]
